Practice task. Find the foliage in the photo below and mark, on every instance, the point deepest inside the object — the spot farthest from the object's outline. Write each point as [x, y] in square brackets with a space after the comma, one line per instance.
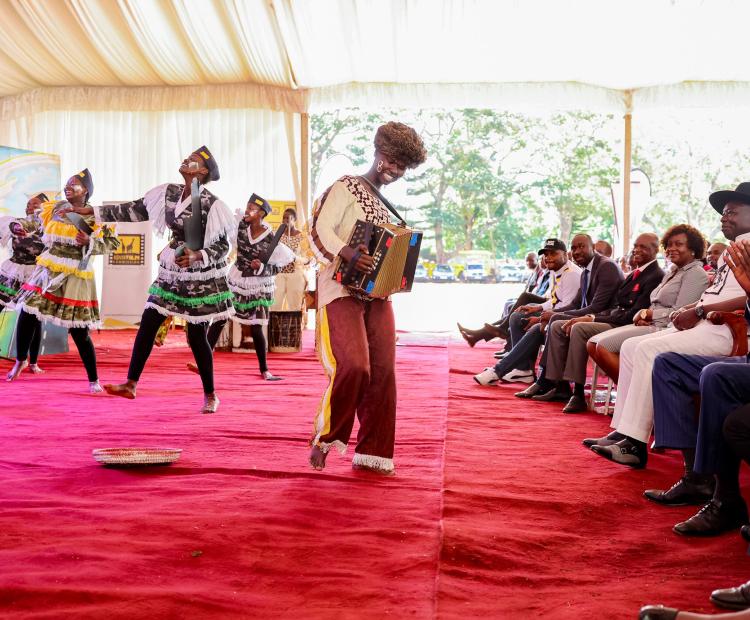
[503, 181]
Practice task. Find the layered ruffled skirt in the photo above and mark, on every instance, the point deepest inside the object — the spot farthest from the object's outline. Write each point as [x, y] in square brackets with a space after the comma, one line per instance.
[12, 277]
[253, 297]
[195, 294]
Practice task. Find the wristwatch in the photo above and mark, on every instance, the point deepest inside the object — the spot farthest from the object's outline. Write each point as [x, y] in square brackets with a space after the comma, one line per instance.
[643, 314]
[699, 312]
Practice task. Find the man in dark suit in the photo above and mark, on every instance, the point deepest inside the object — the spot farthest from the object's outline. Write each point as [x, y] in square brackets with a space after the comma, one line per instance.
[567, 357]
[599, 283]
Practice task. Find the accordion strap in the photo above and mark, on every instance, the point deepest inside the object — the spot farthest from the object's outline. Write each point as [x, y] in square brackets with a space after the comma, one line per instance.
[384, 200]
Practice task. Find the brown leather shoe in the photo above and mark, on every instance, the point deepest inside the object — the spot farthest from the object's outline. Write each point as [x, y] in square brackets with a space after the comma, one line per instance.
[658, 612]
[552, 396]
[684, 492]
[530, 391]
[714, 518]
[732, 598]
[608, 440]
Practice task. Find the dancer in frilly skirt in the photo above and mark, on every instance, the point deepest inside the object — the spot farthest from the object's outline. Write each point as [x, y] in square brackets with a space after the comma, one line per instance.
[252, 280]
[61, 290]
[25, 238]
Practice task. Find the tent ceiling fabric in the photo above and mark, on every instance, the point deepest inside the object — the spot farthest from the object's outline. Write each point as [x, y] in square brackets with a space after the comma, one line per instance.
[324, 53]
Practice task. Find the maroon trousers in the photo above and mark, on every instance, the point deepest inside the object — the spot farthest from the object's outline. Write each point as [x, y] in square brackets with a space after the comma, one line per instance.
[357, 347]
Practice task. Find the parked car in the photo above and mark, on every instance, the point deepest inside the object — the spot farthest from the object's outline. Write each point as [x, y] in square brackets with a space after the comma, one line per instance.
[474, 272]
[507, 273]
[443, 273]
[420, 274]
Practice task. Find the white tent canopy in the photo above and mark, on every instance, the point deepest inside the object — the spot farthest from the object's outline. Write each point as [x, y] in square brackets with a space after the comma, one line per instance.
[295, 55]
[102, 81]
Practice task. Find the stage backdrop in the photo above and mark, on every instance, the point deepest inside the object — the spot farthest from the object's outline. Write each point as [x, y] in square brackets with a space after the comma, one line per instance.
[127, 274]
[24, 174]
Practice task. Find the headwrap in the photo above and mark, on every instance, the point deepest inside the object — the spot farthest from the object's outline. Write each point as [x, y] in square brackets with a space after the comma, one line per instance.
[261, 202]
[88, 181]
[209, 161]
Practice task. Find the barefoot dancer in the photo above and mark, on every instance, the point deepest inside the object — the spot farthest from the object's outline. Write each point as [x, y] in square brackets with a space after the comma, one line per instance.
[252, 281]
[61, 290]
[356, 334]
[25, 235]
[192, 286]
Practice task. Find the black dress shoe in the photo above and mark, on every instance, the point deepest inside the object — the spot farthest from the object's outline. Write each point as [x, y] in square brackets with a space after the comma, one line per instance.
[658, 612]
[684, 492]
[714, 518]
[576, 404]
[625, 452]
[553, 396]
[610, 439]
[732, 598]
[529, 392]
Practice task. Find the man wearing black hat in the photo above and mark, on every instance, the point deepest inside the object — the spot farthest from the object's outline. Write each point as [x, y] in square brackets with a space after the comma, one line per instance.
[724, 387]
[689, 335]
[565, 287]
[192, 283]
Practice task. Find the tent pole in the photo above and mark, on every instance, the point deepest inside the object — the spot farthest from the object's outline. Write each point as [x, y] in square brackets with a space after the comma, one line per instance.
[305, 163]
[626, 166]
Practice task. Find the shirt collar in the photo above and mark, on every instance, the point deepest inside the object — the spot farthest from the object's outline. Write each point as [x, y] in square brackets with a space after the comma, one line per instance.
[644, 267]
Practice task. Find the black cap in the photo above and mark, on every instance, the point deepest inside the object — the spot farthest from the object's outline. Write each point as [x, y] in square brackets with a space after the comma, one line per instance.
[553, 244]
[88, 181]
[720, 199]
[43, 197]
[261, 202]
[209, 161]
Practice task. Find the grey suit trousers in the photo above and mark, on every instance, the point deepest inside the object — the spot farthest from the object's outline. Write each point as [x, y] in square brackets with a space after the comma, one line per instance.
[567, 358]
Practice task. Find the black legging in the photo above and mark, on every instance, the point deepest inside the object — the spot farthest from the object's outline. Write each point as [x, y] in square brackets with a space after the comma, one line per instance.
[29, 330]
[259, 340]
[151, 320]
[28, 337]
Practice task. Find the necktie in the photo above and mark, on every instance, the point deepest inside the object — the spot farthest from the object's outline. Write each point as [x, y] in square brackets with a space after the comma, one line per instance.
[636, 273]
[553, 295]
[584, 287]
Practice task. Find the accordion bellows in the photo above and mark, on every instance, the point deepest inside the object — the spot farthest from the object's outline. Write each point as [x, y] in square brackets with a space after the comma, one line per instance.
[395, 252]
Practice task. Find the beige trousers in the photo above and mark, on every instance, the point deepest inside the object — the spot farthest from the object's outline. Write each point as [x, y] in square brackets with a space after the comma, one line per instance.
[290, 291]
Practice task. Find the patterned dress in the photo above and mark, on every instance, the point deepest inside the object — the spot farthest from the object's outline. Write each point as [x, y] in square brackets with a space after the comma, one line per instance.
[19, 267]
[199, 293]
[253, 291]
[61, 289]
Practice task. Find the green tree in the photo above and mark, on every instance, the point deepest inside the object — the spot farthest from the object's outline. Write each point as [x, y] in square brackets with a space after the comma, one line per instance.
[574, 164]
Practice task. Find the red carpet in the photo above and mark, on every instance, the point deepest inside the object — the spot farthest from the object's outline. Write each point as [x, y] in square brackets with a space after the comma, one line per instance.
[535, 524]
[506, 516]
[240, 526]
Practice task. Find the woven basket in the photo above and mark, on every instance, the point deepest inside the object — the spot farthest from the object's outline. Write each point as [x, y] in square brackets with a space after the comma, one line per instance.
[136, 456]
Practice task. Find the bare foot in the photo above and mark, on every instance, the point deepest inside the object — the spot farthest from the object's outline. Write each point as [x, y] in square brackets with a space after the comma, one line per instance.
[35, 370]
[211, 403]
[318, 458]
[95, 387]
[16, 370]
[126, 390]
[193, 367]
[269, 377]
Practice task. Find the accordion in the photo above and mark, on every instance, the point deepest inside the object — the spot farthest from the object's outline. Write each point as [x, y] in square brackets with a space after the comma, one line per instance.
[395, 252]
